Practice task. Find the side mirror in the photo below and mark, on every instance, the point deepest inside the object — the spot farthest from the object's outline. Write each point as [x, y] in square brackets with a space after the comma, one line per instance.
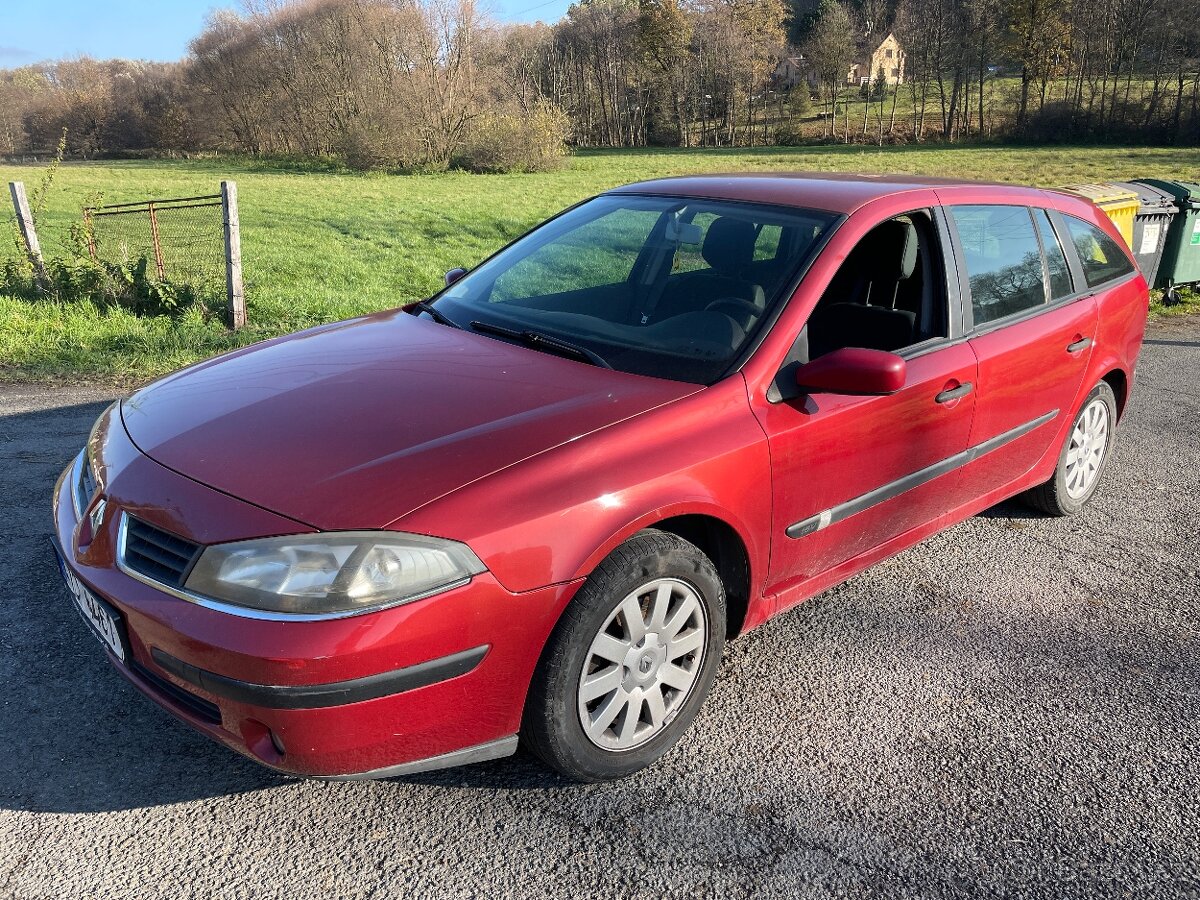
[853, 370]
[454, 274]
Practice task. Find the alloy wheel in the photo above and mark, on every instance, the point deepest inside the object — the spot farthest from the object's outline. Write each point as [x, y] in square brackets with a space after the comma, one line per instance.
[643, 664]
[1089, 442]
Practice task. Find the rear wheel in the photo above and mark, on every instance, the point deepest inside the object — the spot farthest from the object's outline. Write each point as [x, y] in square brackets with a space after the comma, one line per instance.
[628, 666]
[1083, 457]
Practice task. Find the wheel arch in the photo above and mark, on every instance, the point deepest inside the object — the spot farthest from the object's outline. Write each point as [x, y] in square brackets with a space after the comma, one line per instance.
[720, 542]
[718, 537]
[1118, 380]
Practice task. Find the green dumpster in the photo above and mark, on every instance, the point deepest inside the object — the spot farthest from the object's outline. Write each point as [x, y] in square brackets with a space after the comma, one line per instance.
[1181, 255]
[1151, 225]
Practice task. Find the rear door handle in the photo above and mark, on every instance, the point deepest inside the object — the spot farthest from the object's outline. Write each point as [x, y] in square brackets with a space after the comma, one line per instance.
[1081, 344]
[955, 393]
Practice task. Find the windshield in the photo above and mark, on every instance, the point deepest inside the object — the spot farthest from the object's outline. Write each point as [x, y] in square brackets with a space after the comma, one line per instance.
[662, 286]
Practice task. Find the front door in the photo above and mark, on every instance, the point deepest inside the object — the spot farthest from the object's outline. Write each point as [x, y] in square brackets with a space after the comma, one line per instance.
[851, 472]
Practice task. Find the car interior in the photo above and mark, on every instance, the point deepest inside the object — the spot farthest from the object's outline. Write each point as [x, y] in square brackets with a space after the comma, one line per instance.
[886, 295]
[716, 266]
[691, 281]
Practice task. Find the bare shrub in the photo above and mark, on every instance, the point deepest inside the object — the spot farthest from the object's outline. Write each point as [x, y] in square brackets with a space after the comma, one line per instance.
[532, 140]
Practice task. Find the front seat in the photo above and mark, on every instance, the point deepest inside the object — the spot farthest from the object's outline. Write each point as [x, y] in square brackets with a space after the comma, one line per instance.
[857, 307]
[724, 287]
[872, 273]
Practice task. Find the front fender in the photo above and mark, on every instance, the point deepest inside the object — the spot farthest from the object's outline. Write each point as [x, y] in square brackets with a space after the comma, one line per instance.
[668, 510]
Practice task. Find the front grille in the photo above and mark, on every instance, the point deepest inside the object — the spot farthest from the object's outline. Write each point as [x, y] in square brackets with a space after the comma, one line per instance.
[197, 706]
[157, 554]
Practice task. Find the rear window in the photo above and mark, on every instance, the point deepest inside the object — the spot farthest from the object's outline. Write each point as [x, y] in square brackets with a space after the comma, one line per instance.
[1102, 259]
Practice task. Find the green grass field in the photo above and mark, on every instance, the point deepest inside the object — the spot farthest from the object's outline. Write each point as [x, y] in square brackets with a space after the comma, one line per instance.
[323, 245]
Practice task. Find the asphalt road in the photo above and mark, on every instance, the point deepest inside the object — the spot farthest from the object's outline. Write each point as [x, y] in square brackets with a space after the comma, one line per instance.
[1009, 709]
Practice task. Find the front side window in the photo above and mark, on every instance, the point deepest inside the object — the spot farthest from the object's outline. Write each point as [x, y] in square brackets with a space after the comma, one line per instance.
[1003, 260]
[670, 287]
[888, 294]
[1099, 254]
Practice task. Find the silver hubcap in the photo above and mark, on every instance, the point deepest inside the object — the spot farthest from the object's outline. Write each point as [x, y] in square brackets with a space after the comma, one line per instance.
[643, 664]
[1089, 441]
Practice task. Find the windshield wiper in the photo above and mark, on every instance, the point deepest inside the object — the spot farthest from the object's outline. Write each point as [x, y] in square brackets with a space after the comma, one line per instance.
[434, 313]
[539, 341]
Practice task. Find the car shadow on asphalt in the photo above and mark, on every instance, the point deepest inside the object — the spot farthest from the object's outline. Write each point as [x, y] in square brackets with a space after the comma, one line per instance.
[1160, 343]
[1011, 509]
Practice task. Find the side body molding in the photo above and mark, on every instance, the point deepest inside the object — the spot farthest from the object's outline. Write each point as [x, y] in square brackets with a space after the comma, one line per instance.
[895, 488]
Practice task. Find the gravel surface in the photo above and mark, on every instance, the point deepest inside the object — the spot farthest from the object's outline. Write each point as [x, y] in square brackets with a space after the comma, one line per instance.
[1008, 709]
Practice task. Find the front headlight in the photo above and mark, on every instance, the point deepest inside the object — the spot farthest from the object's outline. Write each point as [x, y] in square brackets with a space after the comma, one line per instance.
[330, 573]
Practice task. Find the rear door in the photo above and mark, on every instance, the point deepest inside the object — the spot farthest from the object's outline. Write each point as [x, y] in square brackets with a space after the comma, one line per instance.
[1031, 325]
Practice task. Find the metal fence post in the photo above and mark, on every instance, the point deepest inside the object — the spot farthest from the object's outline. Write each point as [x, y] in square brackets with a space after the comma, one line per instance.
[28, 232]
[233, 255]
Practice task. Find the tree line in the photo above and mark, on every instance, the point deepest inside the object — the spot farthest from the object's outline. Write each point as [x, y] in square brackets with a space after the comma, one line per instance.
[409, 84]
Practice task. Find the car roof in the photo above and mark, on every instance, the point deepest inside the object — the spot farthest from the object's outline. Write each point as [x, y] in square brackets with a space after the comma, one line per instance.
[832, 191]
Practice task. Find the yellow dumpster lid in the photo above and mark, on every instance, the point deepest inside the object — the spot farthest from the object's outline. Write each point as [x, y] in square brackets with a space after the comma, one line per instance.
[1103, 193]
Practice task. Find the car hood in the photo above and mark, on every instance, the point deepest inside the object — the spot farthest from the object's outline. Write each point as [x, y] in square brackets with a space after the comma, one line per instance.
[356, 424]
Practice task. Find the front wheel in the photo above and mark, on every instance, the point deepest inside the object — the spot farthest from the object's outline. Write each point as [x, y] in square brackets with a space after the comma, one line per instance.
[628, 666]
[1083, 457]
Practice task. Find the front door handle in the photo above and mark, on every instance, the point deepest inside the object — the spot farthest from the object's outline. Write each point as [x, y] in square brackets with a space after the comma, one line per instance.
[955, 393]
[1081, 344]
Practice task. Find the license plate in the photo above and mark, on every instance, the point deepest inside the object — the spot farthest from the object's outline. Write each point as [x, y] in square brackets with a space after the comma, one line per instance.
[104, 621]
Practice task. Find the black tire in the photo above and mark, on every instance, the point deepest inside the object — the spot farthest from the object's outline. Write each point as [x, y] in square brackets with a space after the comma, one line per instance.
[552, 727]
[1052, 496]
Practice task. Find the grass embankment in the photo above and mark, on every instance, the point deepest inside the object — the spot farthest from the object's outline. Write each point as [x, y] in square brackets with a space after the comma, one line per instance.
[325, 245]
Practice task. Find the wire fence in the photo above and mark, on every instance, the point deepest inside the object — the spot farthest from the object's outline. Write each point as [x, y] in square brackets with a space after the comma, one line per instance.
[181, 240]
[184, 247]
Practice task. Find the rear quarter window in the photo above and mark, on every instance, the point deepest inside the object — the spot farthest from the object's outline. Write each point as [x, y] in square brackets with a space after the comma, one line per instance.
[1056, 259]
[1102, 258]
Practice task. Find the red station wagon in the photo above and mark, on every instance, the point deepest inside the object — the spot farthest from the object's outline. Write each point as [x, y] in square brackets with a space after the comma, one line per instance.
[536, 506]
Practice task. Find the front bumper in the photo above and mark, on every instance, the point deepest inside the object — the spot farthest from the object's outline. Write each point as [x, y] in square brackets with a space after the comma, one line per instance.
[436, 682]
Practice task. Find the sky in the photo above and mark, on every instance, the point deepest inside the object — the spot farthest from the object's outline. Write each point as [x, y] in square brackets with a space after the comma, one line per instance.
[34, 30]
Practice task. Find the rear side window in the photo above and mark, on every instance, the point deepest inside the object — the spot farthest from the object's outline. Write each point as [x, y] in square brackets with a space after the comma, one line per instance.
[1056, 260]
[1103, 260]
[1003, 259]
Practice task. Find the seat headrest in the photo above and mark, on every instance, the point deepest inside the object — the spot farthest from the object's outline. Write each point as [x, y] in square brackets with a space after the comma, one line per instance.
[729, 245]
[893, 242]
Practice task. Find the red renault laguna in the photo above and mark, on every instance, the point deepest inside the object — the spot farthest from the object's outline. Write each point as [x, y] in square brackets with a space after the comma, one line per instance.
[536, 506]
